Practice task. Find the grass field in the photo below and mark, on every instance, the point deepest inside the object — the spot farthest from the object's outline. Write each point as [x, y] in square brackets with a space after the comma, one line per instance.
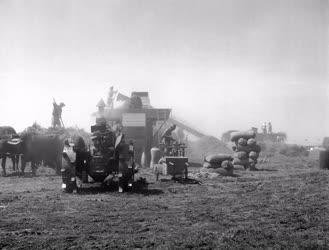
[284, 205]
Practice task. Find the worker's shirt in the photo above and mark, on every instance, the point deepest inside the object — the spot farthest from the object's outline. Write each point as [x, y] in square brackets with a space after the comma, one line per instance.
[57, 112]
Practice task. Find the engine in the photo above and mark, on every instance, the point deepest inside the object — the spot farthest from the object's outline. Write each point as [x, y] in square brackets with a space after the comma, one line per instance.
[109, 157]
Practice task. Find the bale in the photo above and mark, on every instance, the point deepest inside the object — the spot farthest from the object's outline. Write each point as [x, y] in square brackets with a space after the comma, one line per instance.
[218, 158]
[240, 155]
[242, 142]
[235, 136]
[251, 142]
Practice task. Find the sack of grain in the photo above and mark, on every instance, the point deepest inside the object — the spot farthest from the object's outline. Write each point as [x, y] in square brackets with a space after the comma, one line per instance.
[251, 142]
[155, 156]
[211, 165]
[218, 158]
[240, 155]
[253, 155]
[242, 142]
[244, 162]
[252, 164]
[228, 166]
[235, 136]
[248, 149]
[251, 161]
[256, 148]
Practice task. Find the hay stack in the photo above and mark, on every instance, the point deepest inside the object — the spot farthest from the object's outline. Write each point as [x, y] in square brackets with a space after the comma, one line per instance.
[246, 150]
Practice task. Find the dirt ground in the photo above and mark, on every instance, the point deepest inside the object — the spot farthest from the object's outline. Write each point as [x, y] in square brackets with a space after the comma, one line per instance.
[284, 205]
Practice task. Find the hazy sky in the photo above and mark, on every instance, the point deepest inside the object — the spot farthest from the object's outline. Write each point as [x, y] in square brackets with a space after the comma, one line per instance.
[220, 65]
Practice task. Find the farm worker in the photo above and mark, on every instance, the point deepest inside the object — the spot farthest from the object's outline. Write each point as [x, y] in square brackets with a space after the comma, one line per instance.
[124, 154]
[110, 97]
[264, 128]
[269, 128]
[57, 114]
[167, 135]
[167, 138]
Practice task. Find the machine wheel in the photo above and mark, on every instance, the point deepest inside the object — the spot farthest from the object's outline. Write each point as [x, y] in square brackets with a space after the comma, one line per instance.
[84, 176]
[69, 189]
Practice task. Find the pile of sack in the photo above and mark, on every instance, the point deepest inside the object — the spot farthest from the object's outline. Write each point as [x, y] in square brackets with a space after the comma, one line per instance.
[219, 163]
[246, 150]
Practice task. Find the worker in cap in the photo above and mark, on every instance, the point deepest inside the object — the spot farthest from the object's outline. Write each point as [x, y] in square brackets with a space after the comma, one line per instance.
[168, 139]
[269, 128]
[57, 115]
[110, 97]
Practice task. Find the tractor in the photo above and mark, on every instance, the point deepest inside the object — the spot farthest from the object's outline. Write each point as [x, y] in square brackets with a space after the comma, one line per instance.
[109, 160]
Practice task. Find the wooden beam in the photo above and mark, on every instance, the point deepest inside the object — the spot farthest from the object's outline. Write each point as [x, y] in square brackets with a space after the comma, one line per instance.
[186, 127]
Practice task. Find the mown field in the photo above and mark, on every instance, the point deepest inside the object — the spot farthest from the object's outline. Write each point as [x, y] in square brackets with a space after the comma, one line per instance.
[284, 205]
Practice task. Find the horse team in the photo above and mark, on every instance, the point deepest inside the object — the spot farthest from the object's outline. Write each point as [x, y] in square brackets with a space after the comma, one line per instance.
[30, 147]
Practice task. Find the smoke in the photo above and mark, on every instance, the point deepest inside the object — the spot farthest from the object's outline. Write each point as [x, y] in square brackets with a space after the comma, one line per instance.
[220, 65]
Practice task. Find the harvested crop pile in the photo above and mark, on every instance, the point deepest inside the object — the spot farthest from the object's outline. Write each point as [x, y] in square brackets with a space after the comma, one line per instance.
[207, 145]
[223, 162]
[246, 149]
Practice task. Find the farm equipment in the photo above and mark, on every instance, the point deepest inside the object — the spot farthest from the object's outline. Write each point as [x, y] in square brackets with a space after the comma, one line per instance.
[110, 160]
[173, 162]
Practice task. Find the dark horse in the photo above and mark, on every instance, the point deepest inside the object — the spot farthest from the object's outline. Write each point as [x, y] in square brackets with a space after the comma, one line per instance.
[10, 146]
[46, 148]
[11, 149]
